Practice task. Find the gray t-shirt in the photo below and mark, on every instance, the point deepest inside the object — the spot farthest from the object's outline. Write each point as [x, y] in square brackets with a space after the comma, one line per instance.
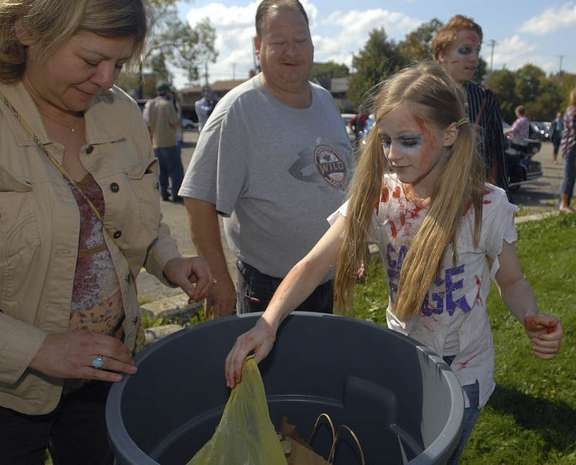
[274, 172]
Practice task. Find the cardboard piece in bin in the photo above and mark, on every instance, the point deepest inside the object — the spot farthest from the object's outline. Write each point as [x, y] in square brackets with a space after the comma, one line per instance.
[297, 451]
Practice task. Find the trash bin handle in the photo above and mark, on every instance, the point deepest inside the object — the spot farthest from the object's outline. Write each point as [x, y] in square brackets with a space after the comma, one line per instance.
[352, 434]
[323, 418]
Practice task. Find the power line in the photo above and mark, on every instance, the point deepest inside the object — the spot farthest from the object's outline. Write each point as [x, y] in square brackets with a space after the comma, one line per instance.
[492, 45]
[561, 59]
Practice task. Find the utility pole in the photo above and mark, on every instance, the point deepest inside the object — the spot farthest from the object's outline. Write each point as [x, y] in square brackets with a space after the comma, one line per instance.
[255, 59]
[206, 73]
[492, 45]
[560, 58]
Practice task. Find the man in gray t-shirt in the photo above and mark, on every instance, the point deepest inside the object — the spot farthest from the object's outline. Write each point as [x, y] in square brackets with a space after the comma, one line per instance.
[275, 161]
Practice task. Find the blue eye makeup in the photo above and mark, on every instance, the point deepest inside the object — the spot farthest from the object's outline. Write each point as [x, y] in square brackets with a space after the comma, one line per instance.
[407, 141]
[410, 141]
[468, 50]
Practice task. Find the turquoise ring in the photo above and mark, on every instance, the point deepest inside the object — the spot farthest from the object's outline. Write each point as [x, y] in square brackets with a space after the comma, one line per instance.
[97, 362]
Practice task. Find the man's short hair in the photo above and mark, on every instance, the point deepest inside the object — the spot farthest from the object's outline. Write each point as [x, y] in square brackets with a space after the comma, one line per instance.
[163, 88]
[448, 33]
[266, 5]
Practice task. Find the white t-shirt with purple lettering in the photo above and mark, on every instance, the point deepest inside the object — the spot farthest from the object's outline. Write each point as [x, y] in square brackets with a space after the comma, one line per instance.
[453, 320]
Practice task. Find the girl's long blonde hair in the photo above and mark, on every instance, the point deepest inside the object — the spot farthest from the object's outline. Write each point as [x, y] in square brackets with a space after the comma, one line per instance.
[437, 99]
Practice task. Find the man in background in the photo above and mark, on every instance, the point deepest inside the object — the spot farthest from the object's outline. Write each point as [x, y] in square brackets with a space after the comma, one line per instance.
[163, 123]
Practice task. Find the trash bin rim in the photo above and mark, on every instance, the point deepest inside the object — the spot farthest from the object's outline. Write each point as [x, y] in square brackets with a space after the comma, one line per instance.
[131, 453]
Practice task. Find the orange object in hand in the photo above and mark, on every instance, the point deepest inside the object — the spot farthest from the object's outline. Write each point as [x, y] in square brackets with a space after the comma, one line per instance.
[534, 323]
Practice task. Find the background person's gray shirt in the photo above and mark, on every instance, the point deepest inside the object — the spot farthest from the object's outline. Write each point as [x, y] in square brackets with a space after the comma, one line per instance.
[274, 172]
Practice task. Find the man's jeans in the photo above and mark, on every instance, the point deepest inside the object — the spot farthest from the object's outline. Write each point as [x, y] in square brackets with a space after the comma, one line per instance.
[569, 175]
[255, 290]
[171, 169]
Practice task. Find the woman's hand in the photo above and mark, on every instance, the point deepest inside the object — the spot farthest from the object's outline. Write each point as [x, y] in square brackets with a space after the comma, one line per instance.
[192, 274]
[545, 333]
[69, 355]
[259, 339]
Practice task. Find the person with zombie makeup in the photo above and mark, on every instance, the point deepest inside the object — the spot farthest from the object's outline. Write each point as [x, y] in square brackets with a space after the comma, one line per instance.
[456, 47]
[444, 235]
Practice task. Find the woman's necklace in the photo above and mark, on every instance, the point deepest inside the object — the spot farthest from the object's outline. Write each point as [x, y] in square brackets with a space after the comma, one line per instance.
[73, 129]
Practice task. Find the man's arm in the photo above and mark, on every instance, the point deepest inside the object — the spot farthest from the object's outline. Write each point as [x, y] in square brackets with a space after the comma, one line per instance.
[205, 230]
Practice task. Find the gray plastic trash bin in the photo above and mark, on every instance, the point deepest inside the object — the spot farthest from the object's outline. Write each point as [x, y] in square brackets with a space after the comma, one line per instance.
[402, 401]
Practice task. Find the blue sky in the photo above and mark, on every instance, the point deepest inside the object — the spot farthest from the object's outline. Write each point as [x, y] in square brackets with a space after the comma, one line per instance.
[530, 31]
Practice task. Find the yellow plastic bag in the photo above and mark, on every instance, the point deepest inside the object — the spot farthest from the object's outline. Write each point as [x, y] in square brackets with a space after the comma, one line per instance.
[245, 434]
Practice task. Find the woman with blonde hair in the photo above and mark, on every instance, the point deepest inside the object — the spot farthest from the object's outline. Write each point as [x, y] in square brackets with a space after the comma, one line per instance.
[80, 216]
[456, 46]
[568, 151]
[443, 235]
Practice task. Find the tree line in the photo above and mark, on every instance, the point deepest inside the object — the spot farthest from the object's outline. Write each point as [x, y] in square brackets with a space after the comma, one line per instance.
[172, 44]
[542, 95]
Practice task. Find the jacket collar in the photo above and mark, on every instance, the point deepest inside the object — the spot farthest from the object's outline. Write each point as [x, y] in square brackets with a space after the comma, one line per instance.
[100, 128]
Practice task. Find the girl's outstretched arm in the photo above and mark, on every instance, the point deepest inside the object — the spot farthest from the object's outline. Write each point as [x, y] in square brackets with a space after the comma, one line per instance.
[298, 284]
[545, 331]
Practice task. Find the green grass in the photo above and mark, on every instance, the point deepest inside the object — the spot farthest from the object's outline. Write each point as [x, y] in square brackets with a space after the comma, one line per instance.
[531, 417]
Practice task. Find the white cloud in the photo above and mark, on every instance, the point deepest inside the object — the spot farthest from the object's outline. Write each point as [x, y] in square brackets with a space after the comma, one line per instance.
[335, 37]
[234, 36]
[551, 20]
[347, 32]
[358, 23]
[513, 53]
[234, 32]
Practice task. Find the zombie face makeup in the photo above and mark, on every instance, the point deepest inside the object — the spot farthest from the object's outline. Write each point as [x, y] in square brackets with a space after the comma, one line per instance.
[461, 58]
[413, 148]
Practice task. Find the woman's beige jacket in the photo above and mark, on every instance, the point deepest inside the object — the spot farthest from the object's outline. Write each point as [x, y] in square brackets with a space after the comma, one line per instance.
[39, 227]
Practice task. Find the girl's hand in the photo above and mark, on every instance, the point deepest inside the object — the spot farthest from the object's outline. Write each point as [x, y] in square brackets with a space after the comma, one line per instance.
[545, 333]
[260, 340]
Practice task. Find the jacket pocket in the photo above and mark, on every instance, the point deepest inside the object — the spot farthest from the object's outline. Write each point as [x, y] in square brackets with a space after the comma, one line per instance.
[144, 183]
[133, 218]
[19, 241]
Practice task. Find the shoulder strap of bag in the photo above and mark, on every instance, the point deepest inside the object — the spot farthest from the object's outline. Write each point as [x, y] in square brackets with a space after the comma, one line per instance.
[52, 160]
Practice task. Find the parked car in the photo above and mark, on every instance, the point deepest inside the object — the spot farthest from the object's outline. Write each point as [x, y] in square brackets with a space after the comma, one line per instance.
[188, 124]
[520, 166]
[346, 118]
[540, 130]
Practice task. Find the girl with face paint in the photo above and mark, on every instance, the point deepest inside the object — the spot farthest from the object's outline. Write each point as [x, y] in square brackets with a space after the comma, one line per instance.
[456, 47]
[442, 231]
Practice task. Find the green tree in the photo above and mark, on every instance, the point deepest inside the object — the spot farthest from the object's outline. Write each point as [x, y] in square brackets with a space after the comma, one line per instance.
[323, 73]
[529, 81]
[375, 62]
[503, 82]
[566, 83]
[174, 44]
[417, 45]
[481, 71]
[547, 103]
